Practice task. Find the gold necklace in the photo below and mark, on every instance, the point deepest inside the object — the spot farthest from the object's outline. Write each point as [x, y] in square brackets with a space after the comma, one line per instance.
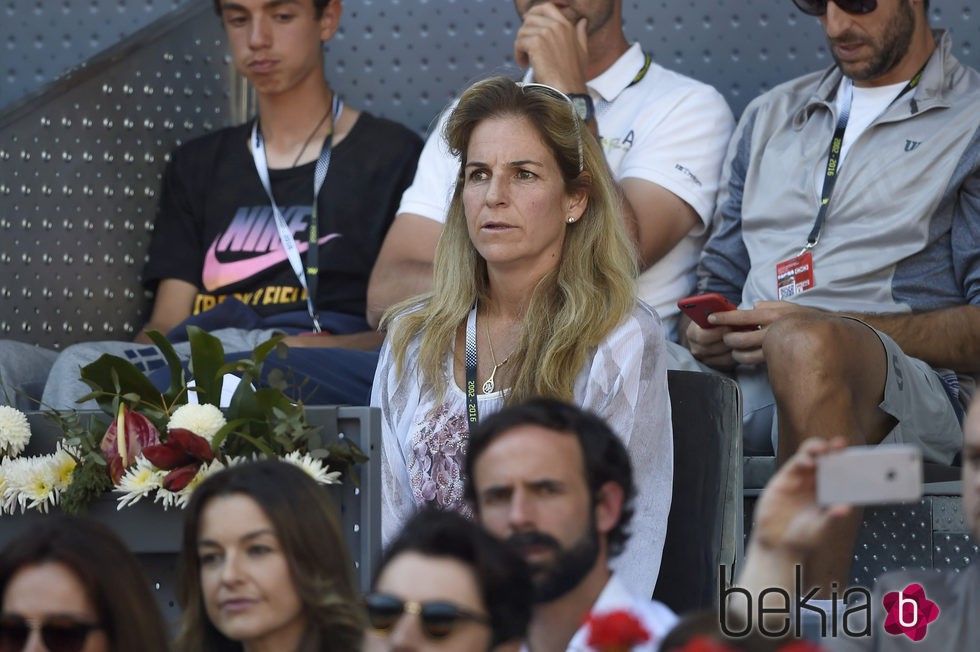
[488, 383]
[312, 133]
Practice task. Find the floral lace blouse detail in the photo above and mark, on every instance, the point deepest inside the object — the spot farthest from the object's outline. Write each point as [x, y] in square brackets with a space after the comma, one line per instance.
[424, 437]
[435, 463]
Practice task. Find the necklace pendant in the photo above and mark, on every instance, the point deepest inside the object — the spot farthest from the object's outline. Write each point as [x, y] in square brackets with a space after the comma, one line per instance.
[488, 384]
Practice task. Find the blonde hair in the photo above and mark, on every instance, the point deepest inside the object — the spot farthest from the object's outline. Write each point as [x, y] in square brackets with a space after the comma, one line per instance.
[593, 287]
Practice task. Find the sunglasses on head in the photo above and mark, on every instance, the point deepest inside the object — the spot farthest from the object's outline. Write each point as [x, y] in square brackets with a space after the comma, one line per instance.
[59, 634]
[535, 87]
[438, 618]
[819, 7]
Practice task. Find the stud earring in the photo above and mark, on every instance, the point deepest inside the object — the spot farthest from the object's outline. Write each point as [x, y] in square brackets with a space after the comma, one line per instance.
[570, 219]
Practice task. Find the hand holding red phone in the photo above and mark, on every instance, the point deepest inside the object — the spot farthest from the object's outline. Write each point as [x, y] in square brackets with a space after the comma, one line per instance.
[699, 307]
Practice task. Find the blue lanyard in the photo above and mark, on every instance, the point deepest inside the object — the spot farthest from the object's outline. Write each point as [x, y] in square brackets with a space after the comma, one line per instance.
[308, 278]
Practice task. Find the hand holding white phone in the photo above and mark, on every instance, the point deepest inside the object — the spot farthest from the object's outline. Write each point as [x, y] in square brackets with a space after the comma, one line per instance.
[870, 475]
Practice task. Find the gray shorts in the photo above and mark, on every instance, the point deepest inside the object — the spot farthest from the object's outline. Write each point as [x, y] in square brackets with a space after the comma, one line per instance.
[915, 396]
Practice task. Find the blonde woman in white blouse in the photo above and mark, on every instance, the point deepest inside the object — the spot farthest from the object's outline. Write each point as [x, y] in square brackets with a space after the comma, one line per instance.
[533, 295]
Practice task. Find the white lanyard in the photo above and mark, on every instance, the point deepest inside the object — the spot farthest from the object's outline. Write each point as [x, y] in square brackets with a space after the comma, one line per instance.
[308, 279]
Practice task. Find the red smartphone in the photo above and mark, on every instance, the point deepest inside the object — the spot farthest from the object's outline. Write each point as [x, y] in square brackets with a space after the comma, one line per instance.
[699, 307]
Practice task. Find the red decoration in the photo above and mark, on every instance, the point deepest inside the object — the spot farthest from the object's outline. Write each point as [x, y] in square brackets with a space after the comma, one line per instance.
[182, 454]
[128, 434]
[615, 631]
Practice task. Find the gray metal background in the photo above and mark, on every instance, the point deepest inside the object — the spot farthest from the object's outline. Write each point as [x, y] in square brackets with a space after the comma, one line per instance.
[81, 156]
[81, 153]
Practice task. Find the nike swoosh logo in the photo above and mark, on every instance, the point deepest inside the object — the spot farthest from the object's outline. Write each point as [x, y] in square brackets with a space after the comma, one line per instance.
[217, 274]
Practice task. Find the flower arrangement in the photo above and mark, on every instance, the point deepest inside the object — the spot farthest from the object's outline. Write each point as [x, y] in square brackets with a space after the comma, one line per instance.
[615, 631]
[162, 444]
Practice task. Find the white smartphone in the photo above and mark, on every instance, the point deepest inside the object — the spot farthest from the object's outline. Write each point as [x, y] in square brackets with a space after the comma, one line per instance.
[870, 475]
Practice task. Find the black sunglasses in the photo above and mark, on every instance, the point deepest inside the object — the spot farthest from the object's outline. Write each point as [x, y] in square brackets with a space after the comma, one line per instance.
[59, 634]
[438, 618]
[819, 7]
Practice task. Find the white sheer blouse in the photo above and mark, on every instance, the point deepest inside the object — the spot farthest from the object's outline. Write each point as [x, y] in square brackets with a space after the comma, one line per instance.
[624, 382]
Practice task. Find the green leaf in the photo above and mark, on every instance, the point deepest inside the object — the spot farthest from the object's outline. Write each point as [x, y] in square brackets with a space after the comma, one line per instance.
[177, 391]
[257, 444]
[343, 455]
[222, 434]
[111, 377]
[207, 357]
[87, 483]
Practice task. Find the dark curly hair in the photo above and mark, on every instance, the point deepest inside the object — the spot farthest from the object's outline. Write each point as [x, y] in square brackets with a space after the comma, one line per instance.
[605, 457]
[502, 575]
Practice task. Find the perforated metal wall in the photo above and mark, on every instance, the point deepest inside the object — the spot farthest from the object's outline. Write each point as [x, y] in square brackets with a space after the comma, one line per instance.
[81, 170]
[406, 57]
[43, 38]
[80, 161]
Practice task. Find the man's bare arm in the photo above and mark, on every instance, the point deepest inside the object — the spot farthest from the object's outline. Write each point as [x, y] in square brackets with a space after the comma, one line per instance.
[947, 338]
[363, 341]
[173, 304]
[656, 218]
[404, 265]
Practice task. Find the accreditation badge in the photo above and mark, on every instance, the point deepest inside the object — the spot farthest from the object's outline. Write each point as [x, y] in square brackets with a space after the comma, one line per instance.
[794, 275]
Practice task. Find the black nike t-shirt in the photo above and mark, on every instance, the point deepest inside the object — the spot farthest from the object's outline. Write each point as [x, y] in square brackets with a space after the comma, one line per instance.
[215, 226]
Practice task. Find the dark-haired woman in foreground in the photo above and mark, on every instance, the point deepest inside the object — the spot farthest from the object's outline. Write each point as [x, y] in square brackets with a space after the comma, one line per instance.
[264, 566]
[70, 585]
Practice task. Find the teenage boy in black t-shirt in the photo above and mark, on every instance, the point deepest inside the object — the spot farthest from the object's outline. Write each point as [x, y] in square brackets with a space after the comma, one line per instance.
[219, 255]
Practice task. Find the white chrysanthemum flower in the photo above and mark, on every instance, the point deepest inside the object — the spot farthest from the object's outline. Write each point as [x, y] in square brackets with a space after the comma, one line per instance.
[37, 490]
[141, 479]
[15, 431]
[15, 474]
[313, 466]
[182, 497]
[63, 465]
[235, 461]
[203, 420]
[8, 496]
[166, 498]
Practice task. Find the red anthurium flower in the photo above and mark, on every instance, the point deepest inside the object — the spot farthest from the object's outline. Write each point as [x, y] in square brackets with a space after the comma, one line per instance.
[182, 454]
[196, 446]
[616, 631]
[181, 448]
[125, 439]
[181, 476]
[167, 456]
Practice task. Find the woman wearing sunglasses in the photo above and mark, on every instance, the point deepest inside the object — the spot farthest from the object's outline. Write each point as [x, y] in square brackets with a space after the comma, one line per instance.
[264, 566]
[446, 585]
[534, 295]
[70, 585]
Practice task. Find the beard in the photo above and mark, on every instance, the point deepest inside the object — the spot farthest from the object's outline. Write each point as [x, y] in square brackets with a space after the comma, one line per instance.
[566, 570]
[887, 52]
